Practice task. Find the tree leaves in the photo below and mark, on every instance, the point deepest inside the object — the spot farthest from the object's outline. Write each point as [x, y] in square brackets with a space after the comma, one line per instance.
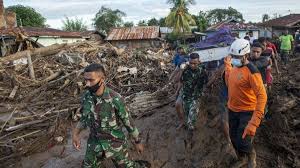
[74, 24]
[218, 15]
[107, 18]
[27, 16]
[179, 18]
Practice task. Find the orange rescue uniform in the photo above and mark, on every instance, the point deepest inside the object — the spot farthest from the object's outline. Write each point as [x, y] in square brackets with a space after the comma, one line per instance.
[246, 91]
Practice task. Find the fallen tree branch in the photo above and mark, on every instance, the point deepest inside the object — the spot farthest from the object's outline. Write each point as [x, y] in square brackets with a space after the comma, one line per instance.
[41, 52]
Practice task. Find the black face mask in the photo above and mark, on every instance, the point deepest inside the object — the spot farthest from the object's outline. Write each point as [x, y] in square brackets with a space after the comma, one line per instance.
[94, 88]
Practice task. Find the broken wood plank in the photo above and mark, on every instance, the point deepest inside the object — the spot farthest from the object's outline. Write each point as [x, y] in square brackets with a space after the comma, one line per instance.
[30, 66]
[13, 92]
[7, 120]
[20, 126]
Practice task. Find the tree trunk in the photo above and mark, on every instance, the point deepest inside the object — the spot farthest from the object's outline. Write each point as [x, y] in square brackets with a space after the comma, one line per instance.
[39, 52]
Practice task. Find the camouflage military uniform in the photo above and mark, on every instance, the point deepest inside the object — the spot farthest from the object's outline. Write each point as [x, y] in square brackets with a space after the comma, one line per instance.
[193, 81]
[103, 115]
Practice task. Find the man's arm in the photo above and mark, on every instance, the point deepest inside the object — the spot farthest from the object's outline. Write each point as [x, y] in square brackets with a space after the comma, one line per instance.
[262, 63]
[228, 67]
[125, 117]
[83, 122]
[292, 42]
[257, 85]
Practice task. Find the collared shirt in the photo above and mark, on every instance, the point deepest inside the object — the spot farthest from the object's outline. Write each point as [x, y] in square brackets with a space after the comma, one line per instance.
[104, 115]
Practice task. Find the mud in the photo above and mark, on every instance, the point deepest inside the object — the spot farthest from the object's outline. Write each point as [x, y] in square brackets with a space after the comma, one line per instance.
[277, 140]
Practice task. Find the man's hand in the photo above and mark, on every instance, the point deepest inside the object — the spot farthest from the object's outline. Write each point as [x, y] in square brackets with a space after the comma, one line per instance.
[250, 130]
[139, 148]
[76, 140]
[228, 58]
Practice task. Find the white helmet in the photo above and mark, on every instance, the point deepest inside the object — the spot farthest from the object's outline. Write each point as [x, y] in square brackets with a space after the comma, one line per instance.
[240, 47]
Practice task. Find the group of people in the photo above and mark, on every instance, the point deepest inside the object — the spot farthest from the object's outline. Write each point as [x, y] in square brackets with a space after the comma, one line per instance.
[245, 80]
[287, 45]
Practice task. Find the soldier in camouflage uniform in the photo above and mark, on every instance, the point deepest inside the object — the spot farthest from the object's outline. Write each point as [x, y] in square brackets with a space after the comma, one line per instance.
[193, 79]
[103, 111]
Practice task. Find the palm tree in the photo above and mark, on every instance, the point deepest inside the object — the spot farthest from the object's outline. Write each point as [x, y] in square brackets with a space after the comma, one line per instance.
[179, 18]
[265, 17]
[176, 3]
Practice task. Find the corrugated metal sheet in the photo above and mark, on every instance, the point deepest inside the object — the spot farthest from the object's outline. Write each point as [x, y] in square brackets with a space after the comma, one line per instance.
[285, 21]
[35, 32]
[134, 33]
[233, 25]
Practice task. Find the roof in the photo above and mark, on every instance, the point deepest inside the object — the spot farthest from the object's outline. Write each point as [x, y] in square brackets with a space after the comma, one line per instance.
[36, 31]
[285, 21]
[91, 32]
[134, 33]
[232, 24]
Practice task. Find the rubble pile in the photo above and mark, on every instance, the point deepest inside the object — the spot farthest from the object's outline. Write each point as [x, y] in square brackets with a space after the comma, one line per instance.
[40, 89]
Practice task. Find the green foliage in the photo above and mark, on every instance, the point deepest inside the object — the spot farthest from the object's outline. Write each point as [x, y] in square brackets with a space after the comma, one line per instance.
[172, 37]
[142, 23]
[162, 22]
[153, 22]
[128, 24]
[218, 15]
[179, 18]
[107, 18]
[177, 3]
[27, 16]
[201, 21]
[74, 24]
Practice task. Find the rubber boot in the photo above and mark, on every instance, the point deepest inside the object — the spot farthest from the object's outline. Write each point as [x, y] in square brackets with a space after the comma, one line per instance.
[252, 159]
[241, 162]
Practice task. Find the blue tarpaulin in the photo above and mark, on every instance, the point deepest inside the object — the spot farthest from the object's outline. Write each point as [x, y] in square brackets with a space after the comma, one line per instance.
[222, 37]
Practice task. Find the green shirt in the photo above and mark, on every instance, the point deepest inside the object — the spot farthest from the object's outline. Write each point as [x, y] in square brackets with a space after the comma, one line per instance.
[104, 115]
[193, 82]
[286, 42]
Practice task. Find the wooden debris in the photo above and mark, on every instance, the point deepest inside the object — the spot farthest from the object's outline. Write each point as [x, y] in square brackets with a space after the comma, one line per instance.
[30, 66]
[50, 93]
[13, 92]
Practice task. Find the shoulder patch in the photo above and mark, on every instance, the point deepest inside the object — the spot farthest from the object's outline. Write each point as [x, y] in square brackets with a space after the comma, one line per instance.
[253, 69]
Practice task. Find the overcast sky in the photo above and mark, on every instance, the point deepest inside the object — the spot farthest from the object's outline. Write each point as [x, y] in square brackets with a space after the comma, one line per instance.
[56, 10]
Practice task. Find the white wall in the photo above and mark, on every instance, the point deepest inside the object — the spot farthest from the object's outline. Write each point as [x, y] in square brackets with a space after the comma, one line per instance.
[242, 34]
[50, 40]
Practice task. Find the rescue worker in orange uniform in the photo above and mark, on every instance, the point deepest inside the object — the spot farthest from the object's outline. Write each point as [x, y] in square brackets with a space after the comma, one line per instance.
[246, 101]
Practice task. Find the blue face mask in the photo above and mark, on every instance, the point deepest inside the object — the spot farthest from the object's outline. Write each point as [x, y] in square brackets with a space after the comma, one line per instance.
[236, 62]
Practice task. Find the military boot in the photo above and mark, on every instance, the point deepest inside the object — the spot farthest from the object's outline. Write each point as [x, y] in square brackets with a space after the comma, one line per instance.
[252, 159]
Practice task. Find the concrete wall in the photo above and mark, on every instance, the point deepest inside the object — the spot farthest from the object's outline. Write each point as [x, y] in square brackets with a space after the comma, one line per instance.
[47, 41]
[136, 43]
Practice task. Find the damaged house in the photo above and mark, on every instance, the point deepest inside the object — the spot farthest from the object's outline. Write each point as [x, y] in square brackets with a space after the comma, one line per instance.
[275, 27]
[135, 37]
[238, 29]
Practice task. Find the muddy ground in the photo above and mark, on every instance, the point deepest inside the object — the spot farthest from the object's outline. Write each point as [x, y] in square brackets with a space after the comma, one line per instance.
[277, 140]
